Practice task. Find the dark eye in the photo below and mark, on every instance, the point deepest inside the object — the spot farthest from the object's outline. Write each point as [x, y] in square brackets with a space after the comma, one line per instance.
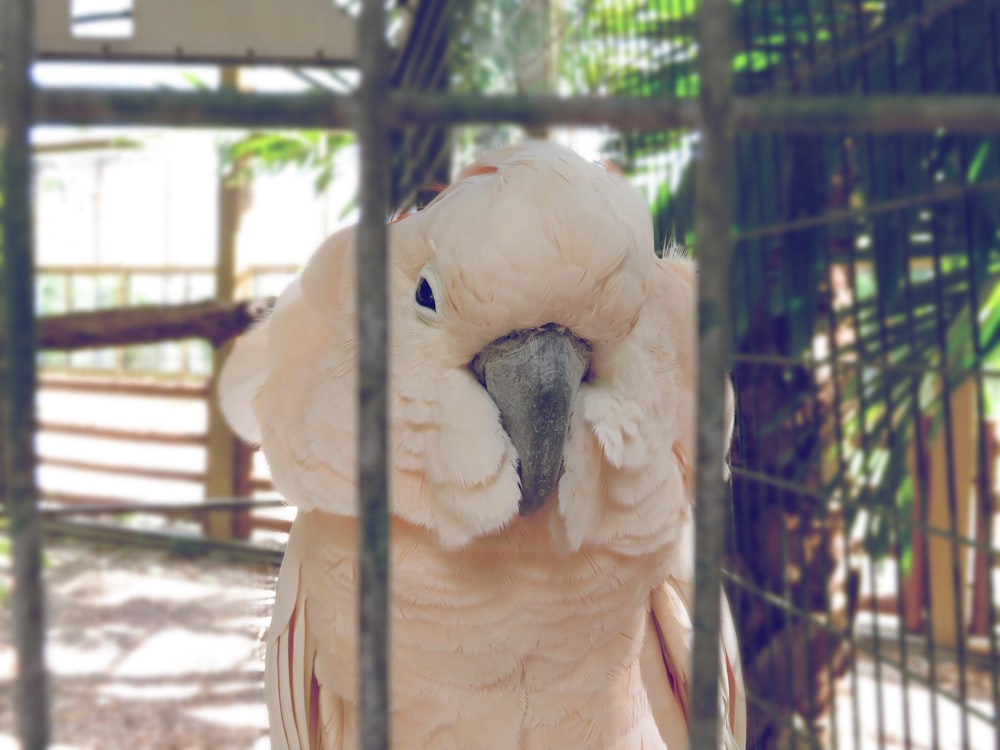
[425, 297]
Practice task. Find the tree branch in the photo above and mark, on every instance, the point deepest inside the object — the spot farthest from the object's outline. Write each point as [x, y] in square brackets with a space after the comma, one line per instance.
[213, 320]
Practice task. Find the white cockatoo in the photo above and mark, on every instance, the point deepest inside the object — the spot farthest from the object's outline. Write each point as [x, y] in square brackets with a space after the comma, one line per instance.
[542, 436]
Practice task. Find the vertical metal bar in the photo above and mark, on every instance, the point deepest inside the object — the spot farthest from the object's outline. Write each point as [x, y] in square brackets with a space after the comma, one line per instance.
[373, 379]
[986, 477]
[899, 188]
[839, 421]
[941, 331]
[712, 217]
[823, 507]
[921, 432]
[870, 174]
[18, 374]
[957, 550]
[768, 689]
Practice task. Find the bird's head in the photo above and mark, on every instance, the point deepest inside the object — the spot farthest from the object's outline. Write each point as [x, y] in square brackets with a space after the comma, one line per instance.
[529, 370]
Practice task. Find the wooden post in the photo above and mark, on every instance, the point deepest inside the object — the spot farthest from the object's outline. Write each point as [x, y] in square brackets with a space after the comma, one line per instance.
[981, 603]
[222, 445]
[944, 596]
[243, 521]
[536, 59]
[913, 585]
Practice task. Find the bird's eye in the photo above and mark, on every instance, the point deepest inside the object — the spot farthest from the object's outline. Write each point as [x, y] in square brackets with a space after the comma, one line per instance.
[425, 295]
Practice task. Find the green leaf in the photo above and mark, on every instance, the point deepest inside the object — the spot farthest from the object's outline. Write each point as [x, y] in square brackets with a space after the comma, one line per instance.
[978, 162]
[198, 83]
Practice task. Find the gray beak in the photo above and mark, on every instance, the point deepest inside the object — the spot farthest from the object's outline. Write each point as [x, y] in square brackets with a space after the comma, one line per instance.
[533, 377]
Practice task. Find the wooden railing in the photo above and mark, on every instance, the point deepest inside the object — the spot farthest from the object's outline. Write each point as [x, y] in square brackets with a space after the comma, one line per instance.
[211, 321]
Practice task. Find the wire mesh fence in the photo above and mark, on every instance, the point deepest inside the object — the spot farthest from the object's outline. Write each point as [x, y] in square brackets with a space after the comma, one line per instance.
[865, 194]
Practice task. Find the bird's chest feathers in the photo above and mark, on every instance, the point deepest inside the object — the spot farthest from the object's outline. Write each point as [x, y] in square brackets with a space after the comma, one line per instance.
[517, 603]
[508, 608]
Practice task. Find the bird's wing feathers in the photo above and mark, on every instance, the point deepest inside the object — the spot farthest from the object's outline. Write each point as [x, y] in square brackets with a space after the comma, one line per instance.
[242, 377]
[298, 327]
[736, 707]
[666, 663]
[301, 714]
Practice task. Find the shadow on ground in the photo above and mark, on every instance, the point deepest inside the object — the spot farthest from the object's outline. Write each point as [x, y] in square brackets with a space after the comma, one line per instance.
[149, 651]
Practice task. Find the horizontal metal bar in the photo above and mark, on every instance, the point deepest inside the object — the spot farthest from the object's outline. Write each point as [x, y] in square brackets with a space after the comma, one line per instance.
[778, 483]
[885, 114]
[800, 489]
[956, 537]
[872, 114]
[172, 542]
[111, 433]
[781, 360]
[225, 108]
[937, 194]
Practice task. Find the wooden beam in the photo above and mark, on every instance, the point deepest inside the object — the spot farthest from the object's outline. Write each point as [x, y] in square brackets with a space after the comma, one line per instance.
[118, 387]
[171, 475]
[112, 433]
[216, 321]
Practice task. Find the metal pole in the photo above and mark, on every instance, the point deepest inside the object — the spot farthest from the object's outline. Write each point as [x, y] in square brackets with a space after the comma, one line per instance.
[18, 325]
[712, 230]
[373, 379]
[956, 113]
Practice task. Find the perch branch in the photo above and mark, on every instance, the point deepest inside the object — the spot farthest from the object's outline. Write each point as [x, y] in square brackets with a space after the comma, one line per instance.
[213, 320]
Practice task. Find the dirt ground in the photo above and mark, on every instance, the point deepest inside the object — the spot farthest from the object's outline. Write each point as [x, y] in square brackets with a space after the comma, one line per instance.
[149, 651]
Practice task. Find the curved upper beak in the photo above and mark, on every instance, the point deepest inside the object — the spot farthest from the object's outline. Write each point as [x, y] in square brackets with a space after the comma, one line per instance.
[533, 377]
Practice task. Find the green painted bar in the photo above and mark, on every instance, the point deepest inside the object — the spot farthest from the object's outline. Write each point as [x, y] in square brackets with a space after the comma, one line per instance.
[373, 381]
[806, 114]
[713, 218]
[17, 369]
